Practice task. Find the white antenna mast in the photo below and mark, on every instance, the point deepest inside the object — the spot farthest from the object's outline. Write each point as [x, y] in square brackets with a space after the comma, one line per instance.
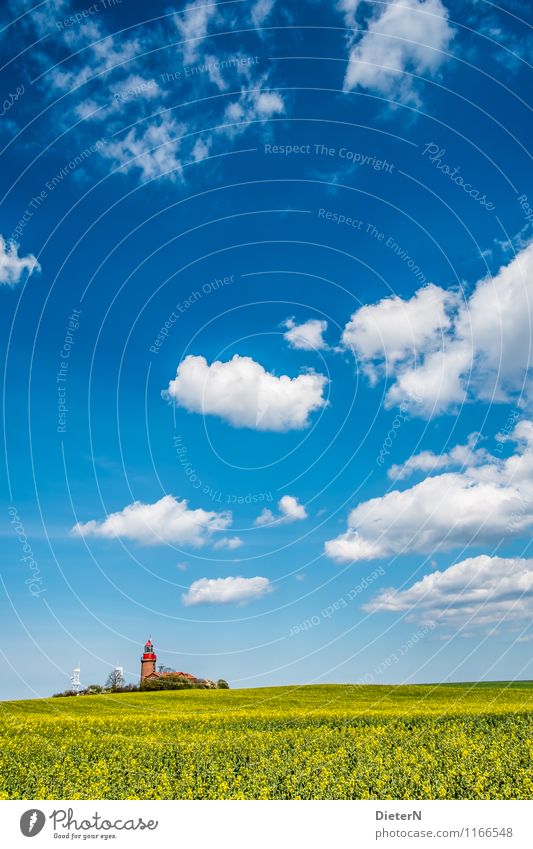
[75, 680]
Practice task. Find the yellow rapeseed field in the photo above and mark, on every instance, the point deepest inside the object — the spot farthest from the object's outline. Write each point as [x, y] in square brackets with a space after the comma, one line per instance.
[317, 742]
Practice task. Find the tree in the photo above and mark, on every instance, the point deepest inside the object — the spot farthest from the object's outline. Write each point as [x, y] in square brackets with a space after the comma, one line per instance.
[222, 685]
[168, 682]
[92, 690]
[115, 680]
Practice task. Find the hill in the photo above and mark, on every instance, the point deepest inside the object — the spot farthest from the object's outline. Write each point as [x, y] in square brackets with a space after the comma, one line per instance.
[330, 741]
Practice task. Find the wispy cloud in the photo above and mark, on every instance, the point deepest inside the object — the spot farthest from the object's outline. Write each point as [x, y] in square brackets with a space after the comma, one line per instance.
[13, 268]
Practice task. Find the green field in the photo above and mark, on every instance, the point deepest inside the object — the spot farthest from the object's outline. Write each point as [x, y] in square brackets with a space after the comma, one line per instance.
[318, 742]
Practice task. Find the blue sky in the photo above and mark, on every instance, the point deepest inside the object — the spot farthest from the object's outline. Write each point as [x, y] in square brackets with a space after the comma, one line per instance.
[266, 284]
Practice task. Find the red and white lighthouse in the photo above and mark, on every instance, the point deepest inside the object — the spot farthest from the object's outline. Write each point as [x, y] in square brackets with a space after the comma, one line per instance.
[148, 660]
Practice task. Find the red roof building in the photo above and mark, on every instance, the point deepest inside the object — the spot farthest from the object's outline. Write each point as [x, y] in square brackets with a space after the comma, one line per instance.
[148, 665]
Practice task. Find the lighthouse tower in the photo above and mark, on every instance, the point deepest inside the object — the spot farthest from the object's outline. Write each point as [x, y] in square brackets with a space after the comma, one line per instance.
[148, 660]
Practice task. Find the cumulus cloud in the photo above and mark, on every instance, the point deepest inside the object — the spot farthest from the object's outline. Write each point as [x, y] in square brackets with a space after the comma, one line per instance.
[477, 592]
[451, 351]
[231, 543]
[406, 36]
[12, 266]
[244, 394]
[226, 590]
[290, 510]
[479, 505]
[437, 385]
[307, 336]
[395, 331]
[427, 461]
[165, 521]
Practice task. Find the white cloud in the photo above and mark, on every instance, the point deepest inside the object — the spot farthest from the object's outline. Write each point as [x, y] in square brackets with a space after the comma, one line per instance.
[231, 543]
[427, 461]
[476, 592]
[395, 331]
[266, 517]
[437, 385]
[260, 11]
[244, 394]
[214, 72]
[254, 104]
[348, 8]
[91, 110]
[226, 590]
[477, 506]
[100, 53]
[307, 336]
[153, 149]
[136, 86]
[268, 103]
[12, 266]
[201, 149]
[166, 521]
[408, 35]
[153, 144]
[497, 324]
[442, 351]
[193, 25]
[290, 510]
